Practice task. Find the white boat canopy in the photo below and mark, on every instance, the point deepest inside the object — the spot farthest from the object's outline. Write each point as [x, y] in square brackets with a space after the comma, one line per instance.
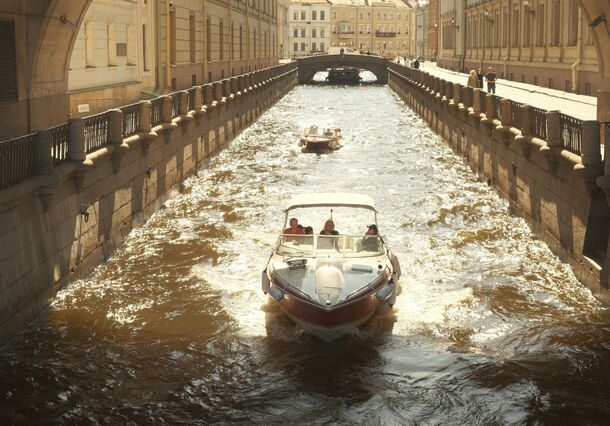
[331, 199]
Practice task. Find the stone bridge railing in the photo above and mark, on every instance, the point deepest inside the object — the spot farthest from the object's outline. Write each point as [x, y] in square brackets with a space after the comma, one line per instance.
[35, 153]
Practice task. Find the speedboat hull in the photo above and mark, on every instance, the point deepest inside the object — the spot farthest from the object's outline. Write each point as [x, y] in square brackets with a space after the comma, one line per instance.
[319, 144]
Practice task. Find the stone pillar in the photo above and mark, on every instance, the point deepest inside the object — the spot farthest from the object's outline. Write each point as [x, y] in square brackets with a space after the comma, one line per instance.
[457, 93]
[526, 120]
[226, 88]
[476, 101]
[115, 127]
[43, 160]
[553, 129]
[183, 103]
[166, 109]
[591, 147]
[490, 110]
[76, 139]
[217, 91]
[208, 94]
[144, 112]
[197, 104]
[506, 112]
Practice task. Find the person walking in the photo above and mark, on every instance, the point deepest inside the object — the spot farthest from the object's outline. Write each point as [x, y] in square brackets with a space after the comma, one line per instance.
[491, 78]
[473, 79]
[416, 64]
[480, 77]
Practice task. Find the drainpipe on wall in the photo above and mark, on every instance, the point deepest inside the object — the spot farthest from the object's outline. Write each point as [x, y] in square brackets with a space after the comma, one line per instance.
[576, 64]
[168, 76]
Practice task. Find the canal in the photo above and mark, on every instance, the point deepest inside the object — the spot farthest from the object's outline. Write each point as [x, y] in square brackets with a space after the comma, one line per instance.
[490, 327]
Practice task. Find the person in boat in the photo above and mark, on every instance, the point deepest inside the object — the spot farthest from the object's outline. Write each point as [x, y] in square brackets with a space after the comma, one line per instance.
[313, 130]
[370, 241]
[329, 228]
[293, 230]
[308, 231]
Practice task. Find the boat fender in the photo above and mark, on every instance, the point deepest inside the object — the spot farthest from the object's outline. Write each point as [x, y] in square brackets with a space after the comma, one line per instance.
[265, 282]
[387, 293]
[276, 293]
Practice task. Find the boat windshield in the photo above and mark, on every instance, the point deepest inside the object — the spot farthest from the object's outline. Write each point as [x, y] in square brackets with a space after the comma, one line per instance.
[330, 245]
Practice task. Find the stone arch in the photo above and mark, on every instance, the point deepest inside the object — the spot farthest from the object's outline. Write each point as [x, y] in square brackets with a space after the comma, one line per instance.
[308, 67]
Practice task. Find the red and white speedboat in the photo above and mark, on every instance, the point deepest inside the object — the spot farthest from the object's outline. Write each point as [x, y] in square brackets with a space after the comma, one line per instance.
[331, 284]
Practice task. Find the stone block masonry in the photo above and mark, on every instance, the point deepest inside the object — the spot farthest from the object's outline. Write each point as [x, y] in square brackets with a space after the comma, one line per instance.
[72, 213]
[547, 165]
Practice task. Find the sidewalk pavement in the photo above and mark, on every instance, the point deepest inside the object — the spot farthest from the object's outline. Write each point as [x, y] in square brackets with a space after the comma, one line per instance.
[578, 106]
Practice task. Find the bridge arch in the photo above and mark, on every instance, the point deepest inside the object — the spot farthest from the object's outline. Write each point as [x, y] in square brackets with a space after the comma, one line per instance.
[309, 66]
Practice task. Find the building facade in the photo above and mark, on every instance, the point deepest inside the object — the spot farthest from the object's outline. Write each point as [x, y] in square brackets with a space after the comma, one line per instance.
[113, 57]
[379, 27]
[421, 31]
[205, 40]
[542, 42]
[308, 27]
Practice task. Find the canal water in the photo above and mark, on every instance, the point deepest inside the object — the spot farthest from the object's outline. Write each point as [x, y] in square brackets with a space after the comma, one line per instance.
[490, 327]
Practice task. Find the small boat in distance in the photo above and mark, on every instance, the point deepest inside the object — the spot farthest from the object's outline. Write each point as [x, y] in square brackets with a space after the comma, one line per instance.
[315, 140]
[344, 75]
[331, 283]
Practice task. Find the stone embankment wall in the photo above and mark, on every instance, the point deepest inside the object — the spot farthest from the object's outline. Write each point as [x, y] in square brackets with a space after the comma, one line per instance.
[548, 165]
[84, 197]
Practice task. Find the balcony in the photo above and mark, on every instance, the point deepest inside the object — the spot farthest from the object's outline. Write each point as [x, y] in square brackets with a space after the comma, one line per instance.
[345, 34]
[385, 34]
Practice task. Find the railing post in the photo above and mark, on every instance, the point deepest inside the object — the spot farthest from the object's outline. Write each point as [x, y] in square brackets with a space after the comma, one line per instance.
[197, 103]
[506, 112]
[553, 129]
[591, 147]
[527, 121]
[166, 109]
[183, 103]
[144, 111]
[76, 139]
[43, 160]
[115, 127]
[476, 102]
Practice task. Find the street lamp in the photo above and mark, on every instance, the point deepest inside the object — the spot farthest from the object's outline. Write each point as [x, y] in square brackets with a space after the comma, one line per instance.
[528, 8]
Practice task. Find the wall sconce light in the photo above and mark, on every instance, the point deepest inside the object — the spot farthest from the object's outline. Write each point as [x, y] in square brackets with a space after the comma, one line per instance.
[64, 20]
[488, 17]
[528, 8]
[598, 20]
[453, 24]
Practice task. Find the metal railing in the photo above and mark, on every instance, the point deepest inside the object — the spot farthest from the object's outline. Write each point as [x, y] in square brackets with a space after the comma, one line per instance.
[515, 112]
[131, 119]
[96, 131]
[497, 107]
[59, 142]
[571, 133]
[155, 110]
[175, 104]
[539, 124]
[17, 159]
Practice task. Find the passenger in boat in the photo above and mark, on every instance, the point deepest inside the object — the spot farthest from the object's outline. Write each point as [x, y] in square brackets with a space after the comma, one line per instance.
[329, 228]
[370, 241]
[308, 231]
[294, 229]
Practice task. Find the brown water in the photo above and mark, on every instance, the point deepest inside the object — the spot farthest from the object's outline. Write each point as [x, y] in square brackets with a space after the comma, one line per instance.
[490, 328]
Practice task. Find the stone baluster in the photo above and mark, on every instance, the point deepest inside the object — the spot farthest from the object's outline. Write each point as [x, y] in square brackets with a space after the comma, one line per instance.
[476, 104]
[166, 109]
[506, 112]
[525, 121]
[197, 102]
[76, 139]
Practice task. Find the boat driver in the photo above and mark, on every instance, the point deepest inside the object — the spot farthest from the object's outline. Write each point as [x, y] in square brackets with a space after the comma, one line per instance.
[370, 241]
[294, 229]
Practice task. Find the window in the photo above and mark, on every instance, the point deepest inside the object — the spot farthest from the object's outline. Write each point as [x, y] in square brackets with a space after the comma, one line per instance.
[321, 15]
[8, 62]
[208, 40]
[296, 33]
[322, 47]
[313, 33]
[144, 56]
[302, 15]
[322, 33]
[192, 37]
[303, 32]
[295, 16]
[302, 47]
[295, 47]
[314, 15]
[241, 42]
[556, 23]
[221, 40]
[111, 43]
[172, 36]
[313, 47]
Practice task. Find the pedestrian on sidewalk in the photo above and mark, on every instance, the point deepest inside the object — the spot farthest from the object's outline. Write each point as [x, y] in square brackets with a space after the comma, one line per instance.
[480, 77]
[416, 64]
[473, 79]
[491, 80]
